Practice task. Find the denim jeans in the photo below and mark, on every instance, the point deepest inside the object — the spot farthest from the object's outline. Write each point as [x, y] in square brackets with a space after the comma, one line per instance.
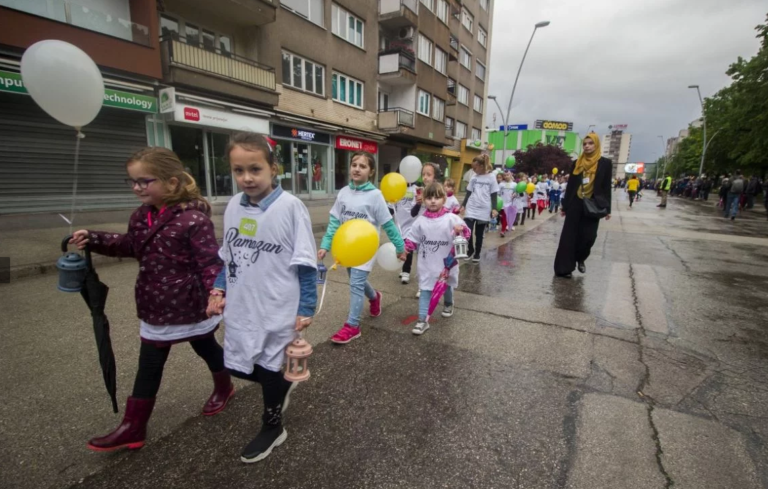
[358, 286]
[425, 297]
[732, 205]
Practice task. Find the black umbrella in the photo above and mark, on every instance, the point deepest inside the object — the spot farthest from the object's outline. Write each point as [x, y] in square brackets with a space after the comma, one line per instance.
[94, 292]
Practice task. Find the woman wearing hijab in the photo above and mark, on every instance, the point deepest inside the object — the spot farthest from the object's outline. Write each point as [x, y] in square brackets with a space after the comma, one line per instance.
[591, 179]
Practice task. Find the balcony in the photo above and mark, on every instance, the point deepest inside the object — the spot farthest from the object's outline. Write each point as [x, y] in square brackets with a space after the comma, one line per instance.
[454, 42]
[77, 15]
[397, 67]
[394, 14]
[396, 119]
[244, 13]
[220, 73]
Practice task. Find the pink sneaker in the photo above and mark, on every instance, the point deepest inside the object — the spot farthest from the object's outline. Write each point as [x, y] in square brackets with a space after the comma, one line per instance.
[346, 334]
[376, 305]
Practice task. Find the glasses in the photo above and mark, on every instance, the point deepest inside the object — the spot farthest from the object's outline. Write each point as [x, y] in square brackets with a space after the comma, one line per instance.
[143, 183]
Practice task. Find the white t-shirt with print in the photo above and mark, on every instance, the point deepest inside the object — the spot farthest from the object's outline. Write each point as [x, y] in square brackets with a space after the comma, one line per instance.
[507, 192]
[434, 237]
[479, 204]
[403, 210]
[356, 204]
[541, 190]
[520, 202]
[262, 251]
[452, 203]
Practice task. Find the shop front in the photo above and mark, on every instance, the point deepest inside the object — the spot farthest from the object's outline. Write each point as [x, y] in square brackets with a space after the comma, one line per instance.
[346, 146]
[303, 158]
[444, 157]
[199, 135]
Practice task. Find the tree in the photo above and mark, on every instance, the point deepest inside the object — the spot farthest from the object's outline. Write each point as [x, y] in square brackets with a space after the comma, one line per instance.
[542, 159]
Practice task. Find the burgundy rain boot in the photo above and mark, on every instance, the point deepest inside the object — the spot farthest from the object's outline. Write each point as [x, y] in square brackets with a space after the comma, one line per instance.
[131, 432]
[223, 390]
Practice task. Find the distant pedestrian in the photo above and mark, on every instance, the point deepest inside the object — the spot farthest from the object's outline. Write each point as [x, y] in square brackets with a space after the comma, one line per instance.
[172, 237]
[554, 195]
[507, 195]
[479, 204]
[735, 191]
[591, 179]
[753, 189]
[534, 199]
[666, 185]
[632, 186]
[725, 184]
[706, 188]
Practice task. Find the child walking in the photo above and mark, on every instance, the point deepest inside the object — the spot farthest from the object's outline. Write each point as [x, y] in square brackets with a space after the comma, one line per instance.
[451, 202]
[479, 203]
[432, 235]
[268, 290]
[172, 237]
[533, 200]
[507, 193]
[521, 203]
[360, 200]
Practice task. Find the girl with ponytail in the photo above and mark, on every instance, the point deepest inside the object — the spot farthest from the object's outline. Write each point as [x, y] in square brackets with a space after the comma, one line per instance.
[171, 236]
[479, 203]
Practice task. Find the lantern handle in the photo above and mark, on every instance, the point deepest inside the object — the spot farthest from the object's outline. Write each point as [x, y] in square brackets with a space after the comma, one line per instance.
[87, 249]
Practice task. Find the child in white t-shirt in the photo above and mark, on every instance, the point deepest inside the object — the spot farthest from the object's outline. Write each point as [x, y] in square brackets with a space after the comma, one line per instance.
[451, 202]
[432, 235]
[480, 203]
[507, 194]
[521, 203]
[269, 281]
[360, 200]
[403, 220]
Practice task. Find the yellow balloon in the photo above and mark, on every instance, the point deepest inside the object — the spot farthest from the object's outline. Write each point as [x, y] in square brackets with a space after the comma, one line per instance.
[490, 147]
[530, 188]
[355, 243]
[554, 171]
[393, 186]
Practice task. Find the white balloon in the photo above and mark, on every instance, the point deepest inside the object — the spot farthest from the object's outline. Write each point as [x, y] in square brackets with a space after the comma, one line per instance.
[387, 259]
[64, 81]
[410, 168]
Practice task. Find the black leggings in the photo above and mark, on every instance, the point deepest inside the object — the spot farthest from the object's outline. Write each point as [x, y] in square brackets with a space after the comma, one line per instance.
[273, 384]
[408, 263]
[476, 240]
[152, 363]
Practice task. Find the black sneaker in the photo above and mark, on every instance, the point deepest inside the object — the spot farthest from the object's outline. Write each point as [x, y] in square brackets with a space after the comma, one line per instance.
[269, 438]
[582, 267]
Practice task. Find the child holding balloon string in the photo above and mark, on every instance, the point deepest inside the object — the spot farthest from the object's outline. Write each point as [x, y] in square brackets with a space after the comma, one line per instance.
[429, 173]
[479, 203]
[507, 192]
[432, 235]
[360, 200]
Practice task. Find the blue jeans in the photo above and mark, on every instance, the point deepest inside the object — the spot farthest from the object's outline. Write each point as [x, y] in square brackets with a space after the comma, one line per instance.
[732, 205]
[426, 295]
[358, 286]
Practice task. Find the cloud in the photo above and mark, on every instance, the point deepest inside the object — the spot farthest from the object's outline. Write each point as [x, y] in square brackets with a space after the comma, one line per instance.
[618, 61]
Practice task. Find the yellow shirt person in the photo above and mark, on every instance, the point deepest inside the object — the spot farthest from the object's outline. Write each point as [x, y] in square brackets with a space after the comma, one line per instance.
[633, 184]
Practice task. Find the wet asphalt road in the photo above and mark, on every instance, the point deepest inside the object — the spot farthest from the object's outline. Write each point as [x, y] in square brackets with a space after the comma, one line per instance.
[649, 371]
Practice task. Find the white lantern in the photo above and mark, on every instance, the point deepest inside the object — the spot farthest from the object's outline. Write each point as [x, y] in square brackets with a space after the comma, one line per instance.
[460, 245]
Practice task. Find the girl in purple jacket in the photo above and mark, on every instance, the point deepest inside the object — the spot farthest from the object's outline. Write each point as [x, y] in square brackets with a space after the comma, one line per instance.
[172, 237]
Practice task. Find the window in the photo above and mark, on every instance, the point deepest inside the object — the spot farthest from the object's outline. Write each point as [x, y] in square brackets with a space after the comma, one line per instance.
[347, 90]
[476, 134]
[225, 45]
[461, 130]
[191, 35]
[425, 49]
[442, 10]
[312, 10]
[347, 26]
[169, 27]
[484, 4]
[441, 60]
[482, 37]
[467, 20]
[209, 41]
[424, 99]
[430, 4]
[303, 74]
[449, 125]
[480, 70]
[466, 58]
[438, 109]
[463, 95]
[478, 103]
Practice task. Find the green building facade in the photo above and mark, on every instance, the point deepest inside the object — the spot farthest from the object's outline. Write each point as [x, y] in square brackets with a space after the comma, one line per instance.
[569, 141]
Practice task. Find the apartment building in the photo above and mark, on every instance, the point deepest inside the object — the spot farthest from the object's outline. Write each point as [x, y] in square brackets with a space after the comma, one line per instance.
[433, 68]
[616, 147]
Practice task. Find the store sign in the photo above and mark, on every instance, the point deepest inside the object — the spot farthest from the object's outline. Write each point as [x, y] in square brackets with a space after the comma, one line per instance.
[554, 125]
[634, 168]
[354, 144]
[515, 127]
[618, 127]
[300, 134]
[167, 100]
[219, 118]
[12, 82]
[641, 168]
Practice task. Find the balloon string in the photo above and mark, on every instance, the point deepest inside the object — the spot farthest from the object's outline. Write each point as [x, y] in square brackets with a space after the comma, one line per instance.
[79, 136]
[322, 298]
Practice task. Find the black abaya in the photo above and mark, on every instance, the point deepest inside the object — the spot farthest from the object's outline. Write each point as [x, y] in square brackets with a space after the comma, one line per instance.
[576, 240]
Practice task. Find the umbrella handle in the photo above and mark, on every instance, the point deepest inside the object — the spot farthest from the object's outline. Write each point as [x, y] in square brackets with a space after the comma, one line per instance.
[88, 260]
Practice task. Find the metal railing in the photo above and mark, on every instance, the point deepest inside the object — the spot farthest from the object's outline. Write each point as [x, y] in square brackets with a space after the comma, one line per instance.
[404, 60]
[225, 65]
[390, 6]
[454, 43]
[452, 86]
[401, 117]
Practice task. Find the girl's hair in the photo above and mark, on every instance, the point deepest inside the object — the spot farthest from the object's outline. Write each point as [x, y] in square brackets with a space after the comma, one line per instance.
[484, 160]
[369, 160]
[435, 190]
[450, 182]
[163, 164]
[252, 142]
[435, 169]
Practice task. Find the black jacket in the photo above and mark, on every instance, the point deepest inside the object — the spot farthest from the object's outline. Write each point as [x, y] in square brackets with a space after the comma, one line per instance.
[602, 189]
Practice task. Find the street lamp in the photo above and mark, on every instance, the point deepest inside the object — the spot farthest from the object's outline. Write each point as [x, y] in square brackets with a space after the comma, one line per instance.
[664, 154]
[590, 128]
[512, 96]
[704, 138]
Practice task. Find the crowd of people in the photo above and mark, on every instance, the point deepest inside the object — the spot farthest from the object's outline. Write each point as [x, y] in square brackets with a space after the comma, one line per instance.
[262, 280]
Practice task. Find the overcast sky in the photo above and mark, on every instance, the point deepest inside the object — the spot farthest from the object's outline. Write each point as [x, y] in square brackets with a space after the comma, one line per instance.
[618, 61]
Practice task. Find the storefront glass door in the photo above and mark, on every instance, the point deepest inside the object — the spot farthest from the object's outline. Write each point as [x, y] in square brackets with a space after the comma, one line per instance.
[222, 185]
[319, 169]
[188, 145]
[302, 162]
[284, 165]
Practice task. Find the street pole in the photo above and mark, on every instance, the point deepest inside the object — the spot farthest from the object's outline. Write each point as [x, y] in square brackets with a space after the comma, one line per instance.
[704, 135]
[664, 155]
[514, 87]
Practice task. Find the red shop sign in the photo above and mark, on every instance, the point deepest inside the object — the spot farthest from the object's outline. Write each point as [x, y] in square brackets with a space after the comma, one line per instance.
[354, 144]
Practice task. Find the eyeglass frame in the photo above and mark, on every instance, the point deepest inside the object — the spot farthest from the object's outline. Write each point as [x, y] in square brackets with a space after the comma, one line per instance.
[143, 183]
